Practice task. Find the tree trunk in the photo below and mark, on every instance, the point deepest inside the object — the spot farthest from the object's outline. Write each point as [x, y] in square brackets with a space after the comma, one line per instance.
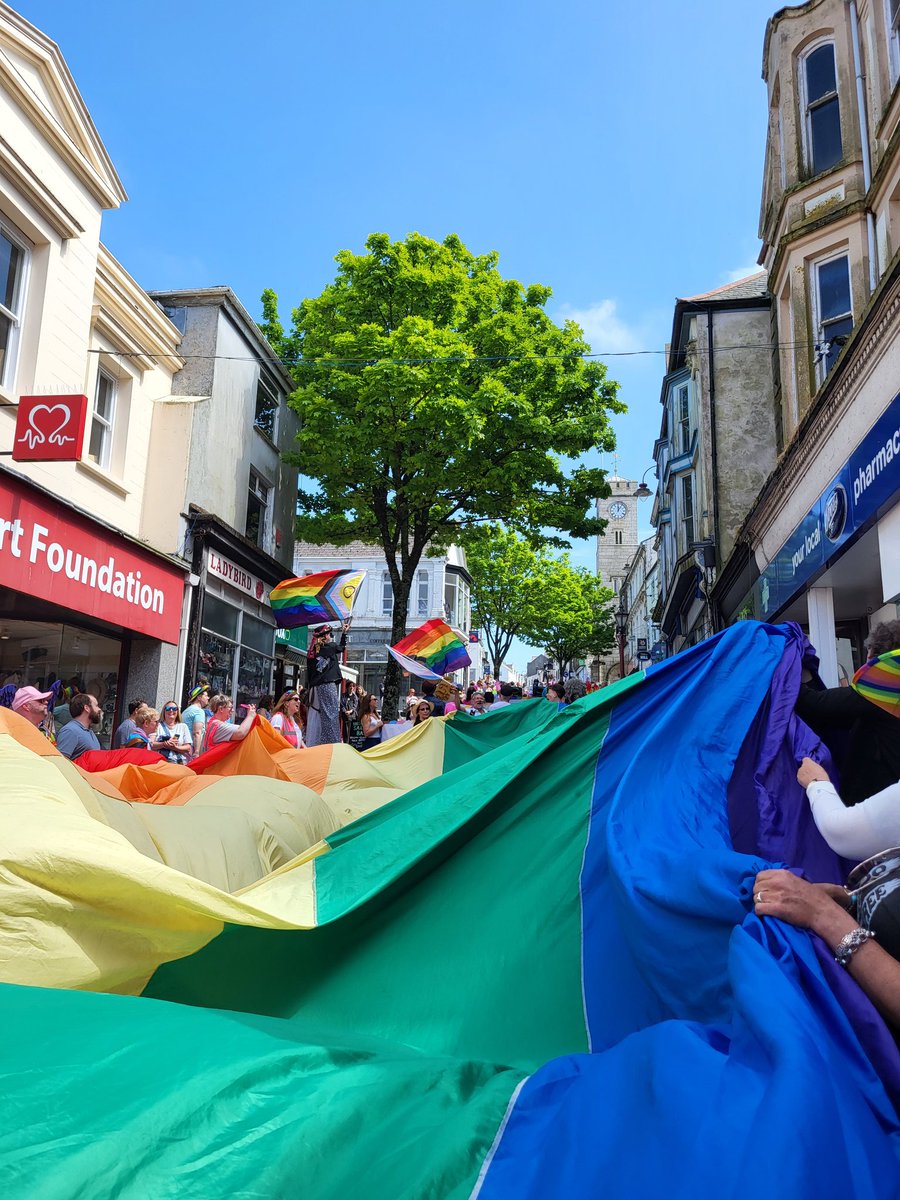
[393, 676]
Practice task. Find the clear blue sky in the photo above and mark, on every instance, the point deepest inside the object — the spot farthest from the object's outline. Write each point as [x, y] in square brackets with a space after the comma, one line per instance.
[618, 160]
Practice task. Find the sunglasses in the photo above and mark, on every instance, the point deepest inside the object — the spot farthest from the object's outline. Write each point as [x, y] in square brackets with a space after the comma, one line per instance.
[171, 708]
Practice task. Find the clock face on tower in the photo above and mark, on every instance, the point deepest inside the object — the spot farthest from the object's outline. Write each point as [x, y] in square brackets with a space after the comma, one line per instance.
[617, 510]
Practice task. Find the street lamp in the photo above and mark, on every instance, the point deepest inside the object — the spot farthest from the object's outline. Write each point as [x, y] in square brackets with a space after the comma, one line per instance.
[621, 627]
[643, 491]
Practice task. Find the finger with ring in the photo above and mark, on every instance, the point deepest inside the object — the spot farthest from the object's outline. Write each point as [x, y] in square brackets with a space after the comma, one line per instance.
[757, 899]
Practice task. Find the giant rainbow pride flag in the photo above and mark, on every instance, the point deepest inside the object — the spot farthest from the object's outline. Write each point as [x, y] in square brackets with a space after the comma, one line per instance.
[439, 647]
[311, 599]
[505, 957]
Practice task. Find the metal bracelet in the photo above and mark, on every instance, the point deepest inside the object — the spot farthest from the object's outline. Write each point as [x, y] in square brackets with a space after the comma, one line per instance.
[850, 943]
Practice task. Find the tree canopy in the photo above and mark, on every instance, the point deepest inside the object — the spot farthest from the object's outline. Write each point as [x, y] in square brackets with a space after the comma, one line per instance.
[435, 395]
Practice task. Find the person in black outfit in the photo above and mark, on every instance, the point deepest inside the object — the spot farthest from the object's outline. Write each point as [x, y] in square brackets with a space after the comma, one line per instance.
[871, 760]
[323, 670]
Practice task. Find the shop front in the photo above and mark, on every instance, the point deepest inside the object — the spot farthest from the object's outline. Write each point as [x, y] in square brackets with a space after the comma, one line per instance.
[79, 602]
[838, 574]
[231, 643]
[290, 659]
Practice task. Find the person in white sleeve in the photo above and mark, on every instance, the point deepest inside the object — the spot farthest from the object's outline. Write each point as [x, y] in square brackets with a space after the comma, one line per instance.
[857, 832]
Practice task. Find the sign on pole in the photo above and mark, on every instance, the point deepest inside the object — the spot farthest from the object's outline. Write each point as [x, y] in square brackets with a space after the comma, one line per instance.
[50, 429]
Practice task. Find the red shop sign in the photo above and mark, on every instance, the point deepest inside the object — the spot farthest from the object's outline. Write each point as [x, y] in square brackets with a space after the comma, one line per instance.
[49, 428]
[49, 551]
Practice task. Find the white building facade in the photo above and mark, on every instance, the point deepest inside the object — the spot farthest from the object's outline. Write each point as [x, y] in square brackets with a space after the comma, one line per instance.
[442, 589]
[78, 556]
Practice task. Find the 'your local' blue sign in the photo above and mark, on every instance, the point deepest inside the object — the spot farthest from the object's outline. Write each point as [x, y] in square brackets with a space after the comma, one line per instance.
[868, 480]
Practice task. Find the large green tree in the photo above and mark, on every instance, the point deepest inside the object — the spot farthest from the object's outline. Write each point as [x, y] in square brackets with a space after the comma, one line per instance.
[434, 395]
[578, 618]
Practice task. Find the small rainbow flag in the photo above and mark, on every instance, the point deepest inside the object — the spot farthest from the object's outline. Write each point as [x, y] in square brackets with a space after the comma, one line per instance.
[325, 596]
[439, 647]
[878, 680]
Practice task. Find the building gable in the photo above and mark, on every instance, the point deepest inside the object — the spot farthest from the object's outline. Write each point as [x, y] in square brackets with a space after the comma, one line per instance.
[34, 73]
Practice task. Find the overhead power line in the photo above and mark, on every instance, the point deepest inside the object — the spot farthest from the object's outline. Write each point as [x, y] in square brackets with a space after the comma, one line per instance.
[450, 358]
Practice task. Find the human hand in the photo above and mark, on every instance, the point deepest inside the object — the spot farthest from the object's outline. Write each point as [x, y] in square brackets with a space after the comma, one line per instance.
[780, 893]
[809, 771]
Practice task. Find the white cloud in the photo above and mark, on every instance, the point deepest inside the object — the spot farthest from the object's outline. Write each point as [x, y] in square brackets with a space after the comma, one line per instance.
[603, 328]
[741, 273]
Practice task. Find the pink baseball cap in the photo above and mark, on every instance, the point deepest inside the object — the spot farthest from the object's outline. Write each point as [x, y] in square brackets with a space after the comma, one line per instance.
[23, 695]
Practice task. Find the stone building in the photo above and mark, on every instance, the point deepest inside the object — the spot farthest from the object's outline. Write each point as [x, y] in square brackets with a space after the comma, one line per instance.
[616, 548]
[217, 450]
[715, 448]
[821, 543]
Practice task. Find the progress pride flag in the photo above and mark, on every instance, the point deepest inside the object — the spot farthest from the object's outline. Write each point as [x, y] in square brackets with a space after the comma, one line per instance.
[48, 551]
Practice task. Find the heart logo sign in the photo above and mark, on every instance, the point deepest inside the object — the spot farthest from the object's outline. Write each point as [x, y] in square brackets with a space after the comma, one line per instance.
[46, 424]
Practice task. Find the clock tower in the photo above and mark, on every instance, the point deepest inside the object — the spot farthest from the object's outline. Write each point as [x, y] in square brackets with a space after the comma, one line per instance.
[617, 545]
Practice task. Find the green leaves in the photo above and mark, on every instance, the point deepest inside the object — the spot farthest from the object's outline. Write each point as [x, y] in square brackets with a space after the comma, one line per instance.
[435, 395]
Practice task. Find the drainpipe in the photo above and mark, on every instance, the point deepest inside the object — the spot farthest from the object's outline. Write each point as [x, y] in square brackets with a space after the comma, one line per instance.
[714, 453]
[864, 137]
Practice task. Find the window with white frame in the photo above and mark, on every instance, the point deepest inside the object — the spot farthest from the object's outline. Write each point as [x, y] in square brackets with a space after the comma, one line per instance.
[103, 420]
[687, 510]
[266, 412]
[892, 16]
[832, 310]
[682, 419]
[258, 495]
[821, 109]
[422, 594]
[15, 255]
[387, 595]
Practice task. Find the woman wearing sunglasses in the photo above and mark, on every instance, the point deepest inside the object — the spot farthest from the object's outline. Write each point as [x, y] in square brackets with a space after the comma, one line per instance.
[173, 740]
[284, 718]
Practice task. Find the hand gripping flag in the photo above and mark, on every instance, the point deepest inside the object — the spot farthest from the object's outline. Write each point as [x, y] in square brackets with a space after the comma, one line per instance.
[325, 596]
[440, 648]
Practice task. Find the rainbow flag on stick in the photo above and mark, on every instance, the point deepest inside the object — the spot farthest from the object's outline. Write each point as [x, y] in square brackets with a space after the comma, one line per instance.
[412, 666]
[437, 645]
[325, 596]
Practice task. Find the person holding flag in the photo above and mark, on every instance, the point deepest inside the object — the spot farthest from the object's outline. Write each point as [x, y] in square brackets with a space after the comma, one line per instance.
[323, 675]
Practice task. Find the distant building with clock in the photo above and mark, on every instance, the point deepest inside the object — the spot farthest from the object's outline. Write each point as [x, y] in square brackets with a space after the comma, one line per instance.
[617, 545]
[616, 550]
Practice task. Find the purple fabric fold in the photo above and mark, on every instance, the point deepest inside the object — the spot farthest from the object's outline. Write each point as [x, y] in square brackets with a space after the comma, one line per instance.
[769, 816]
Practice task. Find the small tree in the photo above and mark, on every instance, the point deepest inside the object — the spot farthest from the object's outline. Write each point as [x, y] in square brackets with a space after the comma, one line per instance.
[578, 616]
[509, 588]
[435, 395]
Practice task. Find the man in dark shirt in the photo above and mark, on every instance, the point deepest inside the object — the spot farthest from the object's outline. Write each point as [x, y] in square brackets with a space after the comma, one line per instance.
[871, 760]
[78, 736]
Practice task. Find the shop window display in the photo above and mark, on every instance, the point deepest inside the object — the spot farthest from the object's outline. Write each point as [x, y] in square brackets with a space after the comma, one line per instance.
[39, 653]
[236, 651]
